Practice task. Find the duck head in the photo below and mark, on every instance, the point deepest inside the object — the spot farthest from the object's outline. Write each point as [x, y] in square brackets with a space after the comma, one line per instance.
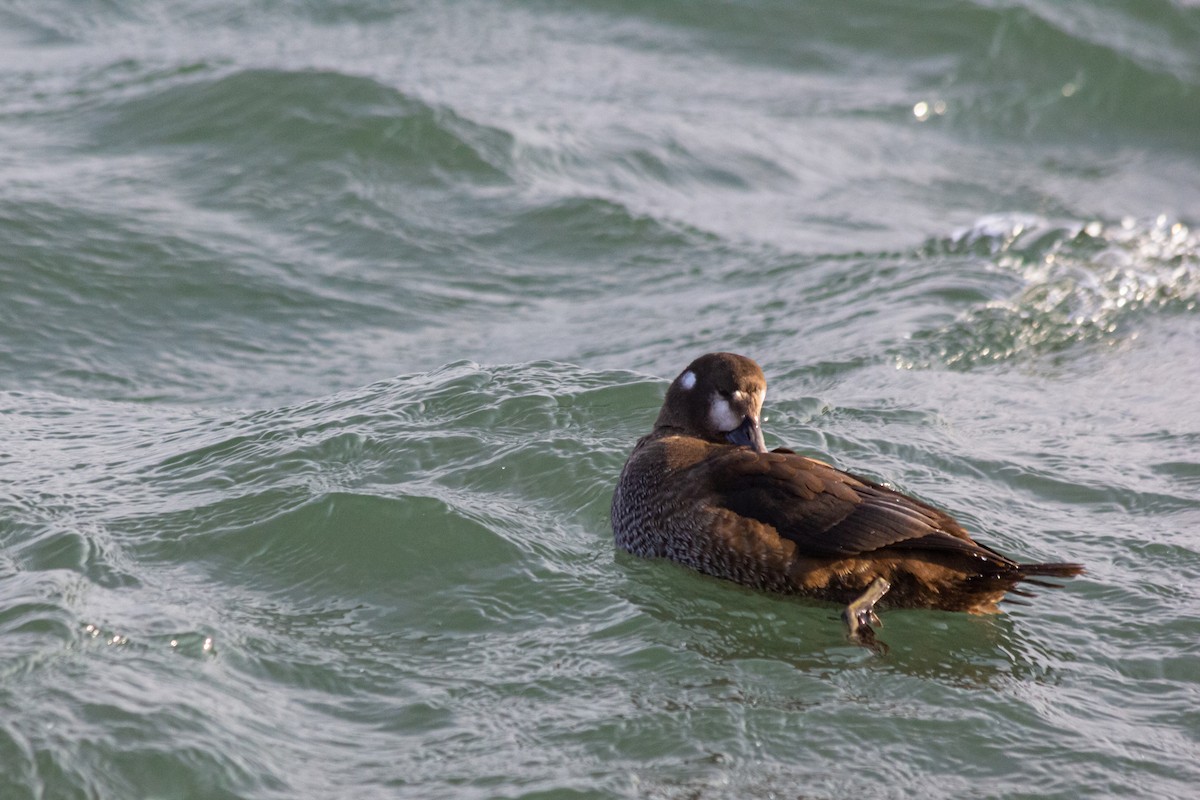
[718, 398]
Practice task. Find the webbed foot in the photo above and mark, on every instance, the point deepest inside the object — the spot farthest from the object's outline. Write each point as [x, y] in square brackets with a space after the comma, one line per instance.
[860, 615]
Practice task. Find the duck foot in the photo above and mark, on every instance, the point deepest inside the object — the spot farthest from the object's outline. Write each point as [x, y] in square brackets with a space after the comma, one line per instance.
[860, 615]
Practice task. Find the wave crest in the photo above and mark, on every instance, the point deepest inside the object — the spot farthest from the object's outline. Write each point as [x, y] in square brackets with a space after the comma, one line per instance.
[1082, 282]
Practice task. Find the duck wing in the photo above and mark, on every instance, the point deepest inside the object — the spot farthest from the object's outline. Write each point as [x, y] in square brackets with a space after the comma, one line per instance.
[829, 513]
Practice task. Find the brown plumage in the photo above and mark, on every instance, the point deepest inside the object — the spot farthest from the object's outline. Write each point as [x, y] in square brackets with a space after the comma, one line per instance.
[702, 490]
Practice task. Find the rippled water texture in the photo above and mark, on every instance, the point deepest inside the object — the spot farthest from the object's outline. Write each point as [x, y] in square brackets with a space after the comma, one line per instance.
[325, 329]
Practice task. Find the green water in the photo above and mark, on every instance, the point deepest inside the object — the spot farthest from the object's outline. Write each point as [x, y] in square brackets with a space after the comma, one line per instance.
[325, 329]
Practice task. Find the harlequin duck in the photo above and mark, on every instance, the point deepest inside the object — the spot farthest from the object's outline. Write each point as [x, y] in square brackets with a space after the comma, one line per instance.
[703, 490]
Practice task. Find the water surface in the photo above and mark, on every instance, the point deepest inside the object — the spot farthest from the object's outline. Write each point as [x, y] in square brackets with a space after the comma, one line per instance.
[326, 329]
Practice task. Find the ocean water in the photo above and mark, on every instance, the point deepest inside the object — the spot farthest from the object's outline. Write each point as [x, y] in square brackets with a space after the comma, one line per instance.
[326, 327]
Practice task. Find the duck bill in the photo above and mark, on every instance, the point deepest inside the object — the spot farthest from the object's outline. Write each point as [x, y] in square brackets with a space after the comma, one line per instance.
[748, 434]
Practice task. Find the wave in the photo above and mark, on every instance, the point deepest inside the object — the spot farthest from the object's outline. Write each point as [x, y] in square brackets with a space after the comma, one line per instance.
[151, 539]
[255, 123]
[1007, 71]
[1120, 71]
[275, 492]
[1077, 283]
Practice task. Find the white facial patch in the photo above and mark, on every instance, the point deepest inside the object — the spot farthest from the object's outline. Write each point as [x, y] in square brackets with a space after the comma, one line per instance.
[721, 415]
[687, 380]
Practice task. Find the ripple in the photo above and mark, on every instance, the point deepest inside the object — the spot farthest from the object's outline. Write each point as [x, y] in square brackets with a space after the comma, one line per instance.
[426, 559]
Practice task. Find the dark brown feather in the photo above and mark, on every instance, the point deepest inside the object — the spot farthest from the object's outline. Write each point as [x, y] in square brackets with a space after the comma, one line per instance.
[829, 513]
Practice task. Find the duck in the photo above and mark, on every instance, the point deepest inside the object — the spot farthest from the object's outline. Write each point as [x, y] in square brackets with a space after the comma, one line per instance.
[701, 489]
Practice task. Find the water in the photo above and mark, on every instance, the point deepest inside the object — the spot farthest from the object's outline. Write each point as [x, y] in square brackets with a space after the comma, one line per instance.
[326, 328]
